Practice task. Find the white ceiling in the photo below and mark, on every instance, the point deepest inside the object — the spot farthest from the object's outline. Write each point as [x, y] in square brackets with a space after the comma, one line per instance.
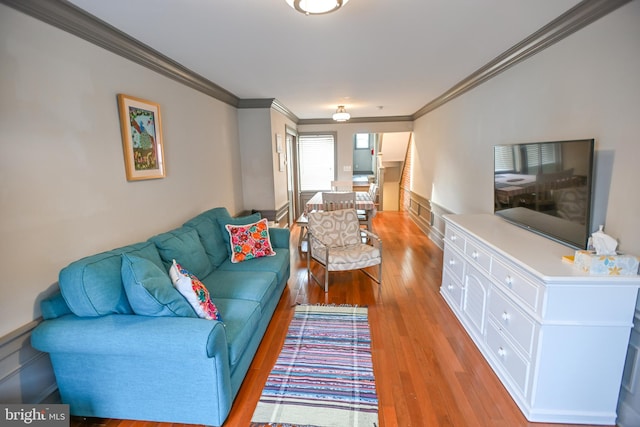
[380, 58]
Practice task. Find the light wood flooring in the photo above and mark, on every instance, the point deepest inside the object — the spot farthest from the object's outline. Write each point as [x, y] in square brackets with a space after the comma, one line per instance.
[428, 371]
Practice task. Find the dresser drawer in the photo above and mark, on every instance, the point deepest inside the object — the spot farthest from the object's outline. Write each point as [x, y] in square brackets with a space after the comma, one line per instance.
[479, 257]
[454, 237]
[454, 262]
[451, 288]
[503, 351]
[517, 284]
[514, 323]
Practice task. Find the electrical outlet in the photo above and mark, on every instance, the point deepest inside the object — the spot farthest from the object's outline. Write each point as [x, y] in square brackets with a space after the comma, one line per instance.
[346, 168]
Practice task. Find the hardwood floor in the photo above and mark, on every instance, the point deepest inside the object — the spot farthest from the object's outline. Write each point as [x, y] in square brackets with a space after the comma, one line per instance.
[428, 371]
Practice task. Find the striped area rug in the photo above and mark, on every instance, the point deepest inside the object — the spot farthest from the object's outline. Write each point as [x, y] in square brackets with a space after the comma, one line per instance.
[323, 376]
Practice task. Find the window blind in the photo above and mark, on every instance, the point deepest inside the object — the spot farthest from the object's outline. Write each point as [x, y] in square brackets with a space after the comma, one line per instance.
[316, 156]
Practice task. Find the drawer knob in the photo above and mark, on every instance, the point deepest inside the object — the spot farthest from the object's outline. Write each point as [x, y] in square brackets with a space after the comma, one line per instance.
[508, 280]
[450, 287]
[452, 262]
[502, 352]
[505, 316]
[475, 255]
[454, 238]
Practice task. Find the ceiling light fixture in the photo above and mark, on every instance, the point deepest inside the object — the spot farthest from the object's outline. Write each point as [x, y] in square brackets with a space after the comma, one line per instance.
[341, 114]
[316, 7]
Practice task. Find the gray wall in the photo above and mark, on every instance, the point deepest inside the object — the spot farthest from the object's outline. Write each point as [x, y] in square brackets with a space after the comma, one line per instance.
[586, 86]
[64, 192]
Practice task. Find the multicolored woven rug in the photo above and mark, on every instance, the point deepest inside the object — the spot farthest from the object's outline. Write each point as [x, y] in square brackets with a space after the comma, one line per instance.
[323, 376]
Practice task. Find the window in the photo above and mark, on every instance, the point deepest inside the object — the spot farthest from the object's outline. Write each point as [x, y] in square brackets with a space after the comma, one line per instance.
[504, 159]
[528, 159]
[362, 141]
[542, 158]
[316, 160]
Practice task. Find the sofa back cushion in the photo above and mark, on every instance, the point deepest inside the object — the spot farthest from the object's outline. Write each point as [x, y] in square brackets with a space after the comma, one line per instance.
[183, 244]
[213, 241]
[92, 286]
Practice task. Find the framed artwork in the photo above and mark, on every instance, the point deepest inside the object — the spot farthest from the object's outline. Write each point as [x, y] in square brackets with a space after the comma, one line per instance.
[141, 138]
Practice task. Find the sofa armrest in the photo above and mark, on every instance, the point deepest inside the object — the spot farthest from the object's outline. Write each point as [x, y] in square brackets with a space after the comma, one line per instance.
[279, 237]
[131, 335]
[170, 369]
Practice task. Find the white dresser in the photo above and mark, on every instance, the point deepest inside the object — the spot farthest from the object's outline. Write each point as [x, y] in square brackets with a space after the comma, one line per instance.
[555, 336]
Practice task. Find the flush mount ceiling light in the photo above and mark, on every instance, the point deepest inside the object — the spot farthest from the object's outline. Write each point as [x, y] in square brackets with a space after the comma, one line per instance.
[316, 7]
[341, 114]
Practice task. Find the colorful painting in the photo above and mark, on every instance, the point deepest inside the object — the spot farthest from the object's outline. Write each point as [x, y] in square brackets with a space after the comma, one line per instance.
[141, 138]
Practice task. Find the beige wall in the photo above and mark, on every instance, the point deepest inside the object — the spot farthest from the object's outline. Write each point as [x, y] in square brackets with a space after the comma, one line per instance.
[586, 86]
[63, 189]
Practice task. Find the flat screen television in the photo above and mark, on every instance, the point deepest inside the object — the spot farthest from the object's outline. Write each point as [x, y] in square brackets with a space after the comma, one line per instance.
[546, 187]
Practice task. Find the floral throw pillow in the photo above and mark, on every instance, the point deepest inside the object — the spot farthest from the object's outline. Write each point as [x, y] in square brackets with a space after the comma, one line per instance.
[194, 291]
[249, 241]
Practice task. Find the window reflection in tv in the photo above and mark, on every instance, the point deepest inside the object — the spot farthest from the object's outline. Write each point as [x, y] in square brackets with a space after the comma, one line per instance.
[546, 187]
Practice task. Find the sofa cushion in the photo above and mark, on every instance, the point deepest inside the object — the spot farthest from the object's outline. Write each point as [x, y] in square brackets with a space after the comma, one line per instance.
[194, 291]
[92, 286]
[150, 291]
[246, 285]
[241, 321]
[249, 241]
[214, 243]
[241, 220]
[183, 244]
[278, 264]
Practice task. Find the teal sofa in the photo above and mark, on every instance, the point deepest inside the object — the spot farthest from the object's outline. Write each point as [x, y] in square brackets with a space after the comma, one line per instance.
[167, 365]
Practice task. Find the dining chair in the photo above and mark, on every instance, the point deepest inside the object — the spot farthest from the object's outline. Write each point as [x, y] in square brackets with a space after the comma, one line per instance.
[335, 242]
[338, 200]
[341, 185]
[365, 216]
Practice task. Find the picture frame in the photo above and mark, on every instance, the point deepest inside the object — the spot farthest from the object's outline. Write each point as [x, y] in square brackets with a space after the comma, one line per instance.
[142, 142]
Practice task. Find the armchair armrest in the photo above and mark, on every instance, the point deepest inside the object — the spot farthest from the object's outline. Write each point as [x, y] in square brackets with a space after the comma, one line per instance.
[371, 237]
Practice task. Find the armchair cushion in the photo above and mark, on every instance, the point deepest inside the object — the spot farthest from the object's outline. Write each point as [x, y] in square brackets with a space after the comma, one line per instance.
[335, 228]
[353, 257]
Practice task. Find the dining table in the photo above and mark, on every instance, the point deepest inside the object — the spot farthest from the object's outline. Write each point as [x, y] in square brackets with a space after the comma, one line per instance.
[364, 202]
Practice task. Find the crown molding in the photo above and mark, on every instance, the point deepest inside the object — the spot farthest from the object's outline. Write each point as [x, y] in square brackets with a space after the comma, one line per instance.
[384, 119]
[70, 18]
[581, 15]
[268, 103]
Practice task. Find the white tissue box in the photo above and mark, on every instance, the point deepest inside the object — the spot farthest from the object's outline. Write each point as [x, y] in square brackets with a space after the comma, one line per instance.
[607, 265]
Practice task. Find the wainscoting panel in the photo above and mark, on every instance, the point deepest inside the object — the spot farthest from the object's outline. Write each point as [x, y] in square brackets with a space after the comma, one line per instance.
[26, 375]
[629, 402]
[420, 212]
[281, 216]
[437, 226]
[428, 217]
